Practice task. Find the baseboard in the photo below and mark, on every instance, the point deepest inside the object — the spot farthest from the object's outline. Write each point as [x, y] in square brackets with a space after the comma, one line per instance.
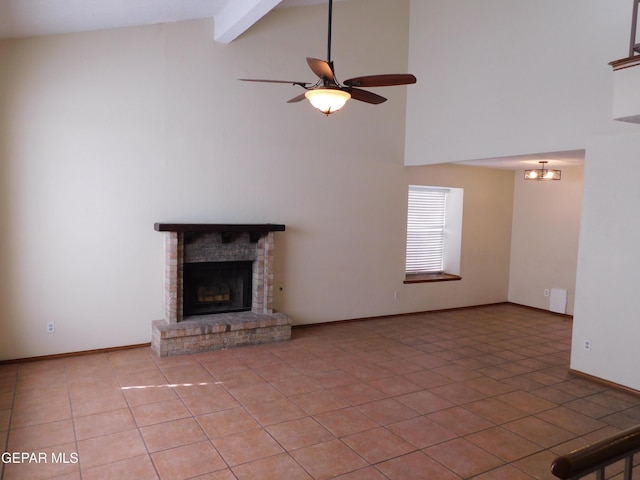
[395, 315]
[606, 383]
[564, 315]
[73, 354]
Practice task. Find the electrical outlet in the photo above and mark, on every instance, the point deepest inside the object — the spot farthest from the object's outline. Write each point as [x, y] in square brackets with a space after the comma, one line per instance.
[587, 345]
[396, 295]
[546, 292]
[51, 328]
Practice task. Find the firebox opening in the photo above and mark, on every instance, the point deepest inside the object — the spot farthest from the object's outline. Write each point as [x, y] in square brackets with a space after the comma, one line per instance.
[216, 287]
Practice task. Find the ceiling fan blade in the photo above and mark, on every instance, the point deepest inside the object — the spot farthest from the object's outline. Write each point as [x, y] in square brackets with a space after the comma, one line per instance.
[386, 80]
[290, 82]
[364, 96]
[322, 69]
[298, 98]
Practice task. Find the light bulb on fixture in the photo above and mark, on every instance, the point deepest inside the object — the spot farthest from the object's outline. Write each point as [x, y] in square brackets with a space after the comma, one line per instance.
[327, 100]
[542, 173]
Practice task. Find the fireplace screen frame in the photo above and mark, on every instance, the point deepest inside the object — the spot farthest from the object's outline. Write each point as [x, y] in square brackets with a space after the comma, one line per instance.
[231, 292]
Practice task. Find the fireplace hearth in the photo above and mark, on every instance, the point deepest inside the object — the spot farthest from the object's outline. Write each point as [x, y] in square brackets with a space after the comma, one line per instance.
[218, 288]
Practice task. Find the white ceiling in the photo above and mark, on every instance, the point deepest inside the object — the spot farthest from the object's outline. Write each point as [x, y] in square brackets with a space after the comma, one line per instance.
[28, 18]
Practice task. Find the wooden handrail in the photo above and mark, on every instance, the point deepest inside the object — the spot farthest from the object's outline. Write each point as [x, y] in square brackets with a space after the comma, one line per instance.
[597, 455]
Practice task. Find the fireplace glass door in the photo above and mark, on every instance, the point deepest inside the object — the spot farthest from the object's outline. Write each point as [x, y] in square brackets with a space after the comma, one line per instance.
[216, 287]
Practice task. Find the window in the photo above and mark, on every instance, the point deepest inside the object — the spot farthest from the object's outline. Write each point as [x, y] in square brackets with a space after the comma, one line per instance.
[434, 228]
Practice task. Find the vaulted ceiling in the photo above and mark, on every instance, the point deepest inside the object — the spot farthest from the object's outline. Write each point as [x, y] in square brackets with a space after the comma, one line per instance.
[28, 18]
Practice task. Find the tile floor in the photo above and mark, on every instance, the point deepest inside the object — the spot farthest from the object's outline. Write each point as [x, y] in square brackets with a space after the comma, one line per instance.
[478, 393]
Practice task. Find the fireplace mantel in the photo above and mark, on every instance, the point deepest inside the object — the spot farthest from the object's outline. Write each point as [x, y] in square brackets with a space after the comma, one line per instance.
[218, 227]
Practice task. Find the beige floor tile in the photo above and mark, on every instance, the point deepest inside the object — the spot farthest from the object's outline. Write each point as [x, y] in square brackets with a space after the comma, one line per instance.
[346, 421]
[571, 420]
[35, 437]
[209, 402]
[318, 402]
[415, 466]
[328, 460]
[421, 432]
[394, 386]
[358, 393]
[136, 468]
[98, 404]
[277, 371]
[246, 446]
[145, 394]
[538, 465]
[299, 433]
[255, 393]
[110, 448]
[276, 411]
[495, 410]
[506, 472]
[5, 417]
[504, 444]
[387, 411]
[378, 445]
[188, 461]
[460, 420]
[297, 385]
[37, 393]
[227, 422]
[463, 457]
[367, 473]
[278, 467]
[159, 412]
[99, 424]
[424, 402]
[526, 402]
[176, 433]
[25, 415]
[538, 431]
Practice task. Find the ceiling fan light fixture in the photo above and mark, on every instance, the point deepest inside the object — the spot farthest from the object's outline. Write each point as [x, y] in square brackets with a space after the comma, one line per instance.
[327, 100]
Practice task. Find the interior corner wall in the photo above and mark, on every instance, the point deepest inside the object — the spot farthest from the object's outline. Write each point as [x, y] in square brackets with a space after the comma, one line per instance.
[486, 237]
[544, 242]
[504, 78]
[607, 300]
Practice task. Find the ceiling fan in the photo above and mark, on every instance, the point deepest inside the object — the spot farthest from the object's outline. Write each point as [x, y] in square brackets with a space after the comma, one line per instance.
[327, 94]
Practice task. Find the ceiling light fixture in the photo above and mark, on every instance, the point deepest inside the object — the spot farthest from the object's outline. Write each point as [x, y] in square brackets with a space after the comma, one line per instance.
[327, 100]
[542, 173]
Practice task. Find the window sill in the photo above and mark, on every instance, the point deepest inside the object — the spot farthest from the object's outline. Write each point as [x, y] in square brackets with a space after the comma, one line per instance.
[430, 277]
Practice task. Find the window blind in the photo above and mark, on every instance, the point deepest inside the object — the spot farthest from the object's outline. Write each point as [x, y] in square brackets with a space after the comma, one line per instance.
[425, 229]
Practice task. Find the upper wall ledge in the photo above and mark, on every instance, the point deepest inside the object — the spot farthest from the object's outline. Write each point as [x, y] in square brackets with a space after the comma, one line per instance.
[625, 62]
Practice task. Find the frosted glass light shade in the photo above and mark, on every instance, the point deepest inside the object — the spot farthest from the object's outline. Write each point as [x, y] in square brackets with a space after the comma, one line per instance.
[542, 173]
[327, 100]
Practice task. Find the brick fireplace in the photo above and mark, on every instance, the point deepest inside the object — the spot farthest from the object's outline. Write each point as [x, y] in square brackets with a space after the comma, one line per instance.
[203, 312]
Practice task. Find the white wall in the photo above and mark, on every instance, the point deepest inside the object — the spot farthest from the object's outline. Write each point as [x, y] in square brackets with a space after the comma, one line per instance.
[504, 77]
[607, 300]
[544, 241]
[102, 134]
